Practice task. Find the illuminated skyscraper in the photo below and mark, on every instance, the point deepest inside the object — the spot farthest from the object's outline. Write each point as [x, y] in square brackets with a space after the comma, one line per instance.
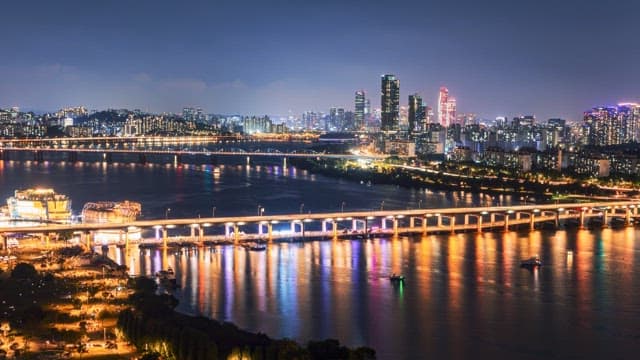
[359, 112]
[446, 108]
[417, 115]
[390, 103]
[612, 125]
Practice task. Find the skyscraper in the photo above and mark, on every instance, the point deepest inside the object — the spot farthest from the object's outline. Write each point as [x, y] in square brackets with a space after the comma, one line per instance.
[446, 107]
[359, 112]
[390, 103]
[417, 114]
[612, 125]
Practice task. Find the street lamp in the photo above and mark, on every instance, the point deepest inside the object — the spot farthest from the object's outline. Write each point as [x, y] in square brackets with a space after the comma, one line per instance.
[213, 212]
[166, 213]
[301, 207]
[260, 210]
[342, 206]
[420, 204]
[382, 205]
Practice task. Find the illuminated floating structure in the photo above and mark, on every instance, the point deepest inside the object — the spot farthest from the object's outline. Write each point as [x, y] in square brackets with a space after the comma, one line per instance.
[39, 205]
[110, 212]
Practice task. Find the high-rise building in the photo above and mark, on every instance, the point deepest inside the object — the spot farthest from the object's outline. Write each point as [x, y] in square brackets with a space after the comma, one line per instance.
[336, 119]
[417, 115]
[446, 107]
[360, 110]
[612, 125]
[390, 103]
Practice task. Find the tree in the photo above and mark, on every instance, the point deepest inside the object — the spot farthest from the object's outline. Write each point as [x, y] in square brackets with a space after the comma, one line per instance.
[24, 271]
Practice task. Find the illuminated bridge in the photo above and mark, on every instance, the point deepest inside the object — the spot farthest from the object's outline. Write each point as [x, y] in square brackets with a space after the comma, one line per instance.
[354, 224]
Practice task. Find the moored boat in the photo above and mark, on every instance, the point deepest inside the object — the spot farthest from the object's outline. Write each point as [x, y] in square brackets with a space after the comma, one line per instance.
[531, 262]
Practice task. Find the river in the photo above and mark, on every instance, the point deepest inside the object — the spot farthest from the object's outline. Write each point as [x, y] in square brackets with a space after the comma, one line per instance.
[465, 294]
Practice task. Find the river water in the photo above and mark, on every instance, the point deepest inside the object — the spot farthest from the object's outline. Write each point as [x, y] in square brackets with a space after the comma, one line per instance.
[465, 294]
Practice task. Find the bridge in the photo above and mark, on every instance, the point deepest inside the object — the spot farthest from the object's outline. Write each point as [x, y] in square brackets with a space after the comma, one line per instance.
[72, 154]
[362, 224]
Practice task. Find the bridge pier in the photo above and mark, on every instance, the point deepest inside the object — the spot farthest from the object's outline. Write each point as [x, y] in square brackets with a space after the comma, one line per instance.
[395, 226]
[142, 159]
[72, 156]
[605, 218]
[582, 215]
[627, 217]
[107, 157]
[213, 160]
[506, 222]
[165, 238]
[236, 234]
[270, 231]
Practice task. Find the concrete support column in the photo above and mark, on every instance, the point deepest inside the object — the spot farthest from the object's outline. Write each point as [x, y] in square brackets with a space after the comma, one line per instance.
[479, 229]
[193, 232]
[259, 228]
[424, 225]
[270, 231]
[605, 218]
[334, 226]
[466, 219]
[412, 222]
[452, 224]
[395, 226]
[227, 230]
[581, 219]
[532, 221]
[557, 221]
[165, 237]
[627, 218]
[493, 218]
[354, 225]
[293, 227]
[236, 233]
[506, 222]
[439, 221]
[384, 223]
[324, 226]
[200, 234]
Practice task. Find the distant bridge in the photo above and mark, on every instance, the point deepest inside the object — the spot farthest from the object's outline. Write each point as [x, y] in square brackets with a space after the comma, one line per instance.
[356, 223]
[72, 153]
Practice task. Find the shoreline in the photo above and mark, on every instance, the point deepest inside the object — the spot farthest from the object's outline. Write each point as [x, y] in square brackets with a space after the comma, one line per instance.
[83, 317]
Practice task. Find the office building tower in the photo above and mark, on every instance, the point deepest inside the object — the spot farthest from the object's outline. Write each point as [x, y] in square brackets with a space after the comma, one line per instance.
[360, 110]
[390, 103]
[417, 115]
[446, 107]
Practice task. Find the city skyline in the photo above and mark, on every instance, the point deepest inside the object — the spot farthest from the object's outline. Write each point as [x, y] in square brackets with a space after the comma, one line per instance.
[224, 57]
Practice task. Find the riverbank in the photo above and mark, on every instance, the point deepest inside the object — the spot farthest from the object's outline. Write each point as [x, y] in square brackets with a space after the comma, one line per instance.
[68, 303]
[392, 174]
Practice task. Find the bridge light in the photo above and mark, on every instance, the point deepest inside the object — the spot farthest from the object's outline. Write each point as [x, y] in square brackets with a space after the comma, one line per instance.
[241, 223]
[194, 225]
[510, 212]
[339, 219]
[349, 218]
[308, 220]
[274, 221]
[400, 216]
[437, 214]
[206, 224]
[157, 227]
[390, 217]
[560, 209]
[132, 228]
[370, 217]
[230, 223]
[536, 210]
[170, 226]
[328, 219]
[484, 213]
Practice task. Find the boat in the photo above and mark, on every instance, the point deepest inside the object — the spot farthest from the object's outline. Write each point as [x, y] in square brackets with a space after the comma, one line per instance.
[531, 262]
[396, 278]
[257, 247]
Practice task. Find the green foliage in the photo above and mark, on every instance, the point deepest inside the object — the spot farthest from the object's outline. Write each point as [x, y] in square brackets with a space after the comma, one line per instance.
[24, 271]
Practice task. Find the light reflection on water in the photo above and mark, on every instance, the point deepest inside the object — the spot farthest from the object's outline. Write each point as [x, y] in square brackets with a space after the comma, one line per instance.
[465, 294]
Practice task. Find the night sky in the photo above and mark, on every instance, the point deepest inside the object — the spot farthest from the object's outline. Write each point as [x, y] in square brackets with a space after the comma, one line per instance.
[497, 57]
